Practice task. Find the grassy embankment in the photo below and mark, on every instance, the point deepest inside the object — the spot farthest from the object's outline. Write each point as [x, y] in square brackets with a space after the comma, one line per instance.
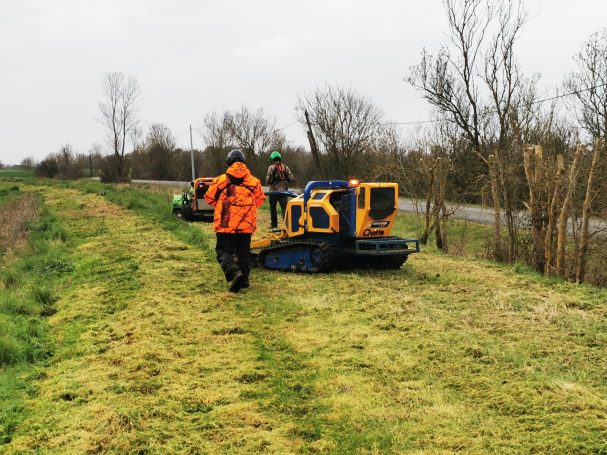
[448, 354]
[32, 263]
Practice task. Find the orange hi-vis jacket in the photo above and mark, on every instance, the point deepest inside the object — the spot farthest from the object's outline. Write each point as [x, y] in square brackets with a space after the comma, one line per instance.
[236, 195]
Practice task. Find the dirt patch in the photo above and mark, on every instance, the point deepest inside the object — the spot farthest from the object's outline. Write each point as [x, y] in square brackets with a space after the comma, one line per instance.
[15, 218]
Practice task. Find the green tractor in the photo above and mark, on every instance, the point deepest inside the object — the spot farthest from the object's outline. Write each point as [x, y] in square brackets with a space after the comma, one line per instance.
[192, 206]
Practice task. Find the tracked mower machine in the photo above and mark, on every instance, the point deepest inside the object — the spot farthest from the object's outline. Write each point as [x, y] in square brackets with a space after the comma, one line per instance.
[337, 222]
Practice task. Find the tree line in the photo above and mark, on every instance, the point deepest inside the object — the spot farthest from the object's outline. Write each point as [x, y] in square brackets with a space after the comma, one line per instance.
[498, 141]
[495, 138]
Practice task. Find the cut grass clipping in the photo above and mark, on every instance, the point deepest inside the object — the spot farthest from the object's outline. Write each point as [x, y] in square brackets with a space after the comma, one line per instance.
[447, 354]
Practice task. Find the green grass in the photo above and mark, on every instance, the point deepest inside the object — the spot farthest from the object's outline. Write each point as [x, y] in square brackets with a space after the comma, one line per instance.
[16, 173]
[153, 203]
[30, 279]
[153, 355]
[8, 193]
[465, 238]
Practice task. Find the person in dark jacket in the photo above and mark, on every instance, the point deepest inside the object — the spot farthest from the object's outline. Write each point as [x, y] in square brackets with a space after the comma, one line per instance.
[278, 177]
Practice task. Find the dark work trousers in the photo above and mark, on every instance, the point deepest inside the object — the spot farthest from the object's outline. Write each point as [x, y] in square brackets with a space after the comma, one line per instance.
[234, 254]
[282, 200]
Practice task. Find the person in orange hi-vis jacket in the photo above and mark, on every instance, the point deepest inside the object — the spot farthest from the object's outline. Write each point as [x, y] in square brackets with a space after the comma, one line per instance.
[236, 196]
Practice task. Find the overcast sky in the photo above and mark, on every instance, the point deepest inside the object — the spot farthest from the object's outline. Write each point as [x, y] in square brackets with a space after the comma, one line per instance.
[195, 57]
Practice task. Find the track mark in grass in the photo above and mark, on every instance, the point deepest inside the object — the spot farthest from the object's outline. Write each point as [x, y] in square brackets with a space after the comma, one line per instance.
[229, 331]
[249, 378]
[285, 388]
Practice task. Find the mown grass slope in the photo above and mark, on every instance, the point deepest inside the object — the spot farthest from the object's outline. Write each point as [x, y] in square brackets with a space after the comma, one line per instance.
[153, 355]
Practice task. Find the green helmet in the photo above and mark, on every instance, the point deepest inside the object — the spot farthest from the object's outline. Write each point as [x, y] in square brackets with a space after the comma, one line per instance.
[275, 155]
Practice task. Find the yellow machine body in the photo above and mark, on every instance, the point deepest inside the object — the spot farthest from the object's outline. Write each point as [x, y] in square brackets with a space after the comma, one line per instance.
[335, 222]
[373, 218]
[376, 219]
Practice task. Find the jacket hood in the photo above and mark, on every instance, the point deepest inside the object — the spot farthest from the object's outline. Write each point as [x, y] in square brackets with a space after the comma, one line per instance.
[239, 170]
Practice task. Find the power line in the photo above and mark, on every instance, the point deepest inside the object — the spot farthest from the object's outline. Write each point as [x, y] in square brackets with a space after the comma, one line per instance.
[286, 126]
[575, 92]
[552, 98]
[411, 123]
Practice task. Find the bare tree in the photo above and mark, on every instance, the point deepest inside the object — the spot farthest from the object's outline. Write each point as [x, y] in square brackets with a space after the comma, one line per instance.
[434, 170]
[475, 83]
[96, 149]
[216, 135]
[570, 189]
[449, 80]
[156, 157]
[582, 247]
[47, 167]
[552, 212]
[254, 132]
[215, 131]
[136, 137]
[383, 149]
[69, 165]
[160, 135]
[589, 83]
[159, 152]
[119, 115]
[435, 166]
[423, 173]
[28, 163]
[533, 159]
[64, 164]
[344, 122]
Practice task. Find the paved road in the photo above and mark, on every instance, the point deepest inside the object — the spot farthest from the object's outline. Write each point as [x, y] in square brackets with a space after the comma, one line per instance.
[473, 214]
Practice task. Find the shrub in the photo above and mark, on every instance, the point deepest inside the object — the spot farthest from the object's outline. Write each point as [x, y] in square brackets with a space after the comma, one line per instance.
[114, 169]
[48, 168]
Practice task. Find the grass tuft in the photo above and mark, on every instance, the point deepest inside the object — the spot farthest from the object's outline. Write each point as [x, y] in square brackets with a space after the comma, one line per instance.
[11, 351]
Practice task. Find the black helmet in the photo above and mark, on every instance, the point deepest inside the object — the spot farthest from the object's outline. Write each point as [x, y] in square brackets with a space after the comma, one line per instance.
[235, 155]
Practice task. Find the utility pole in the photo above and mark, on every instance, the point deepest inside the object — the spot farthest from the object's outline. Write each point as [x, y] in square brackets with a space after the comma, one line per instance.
[314, 147]
[90, 164]
[192, 155]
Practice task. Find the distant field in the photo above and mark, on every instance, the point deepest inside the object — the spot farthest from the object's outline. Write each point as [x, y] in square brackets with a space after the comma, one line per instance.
[149, 353]
[16, 173]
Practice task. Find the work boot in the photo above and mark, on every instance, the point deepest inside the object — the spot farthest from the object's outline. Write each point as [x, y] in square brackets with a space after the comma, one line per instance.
[237, 282]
